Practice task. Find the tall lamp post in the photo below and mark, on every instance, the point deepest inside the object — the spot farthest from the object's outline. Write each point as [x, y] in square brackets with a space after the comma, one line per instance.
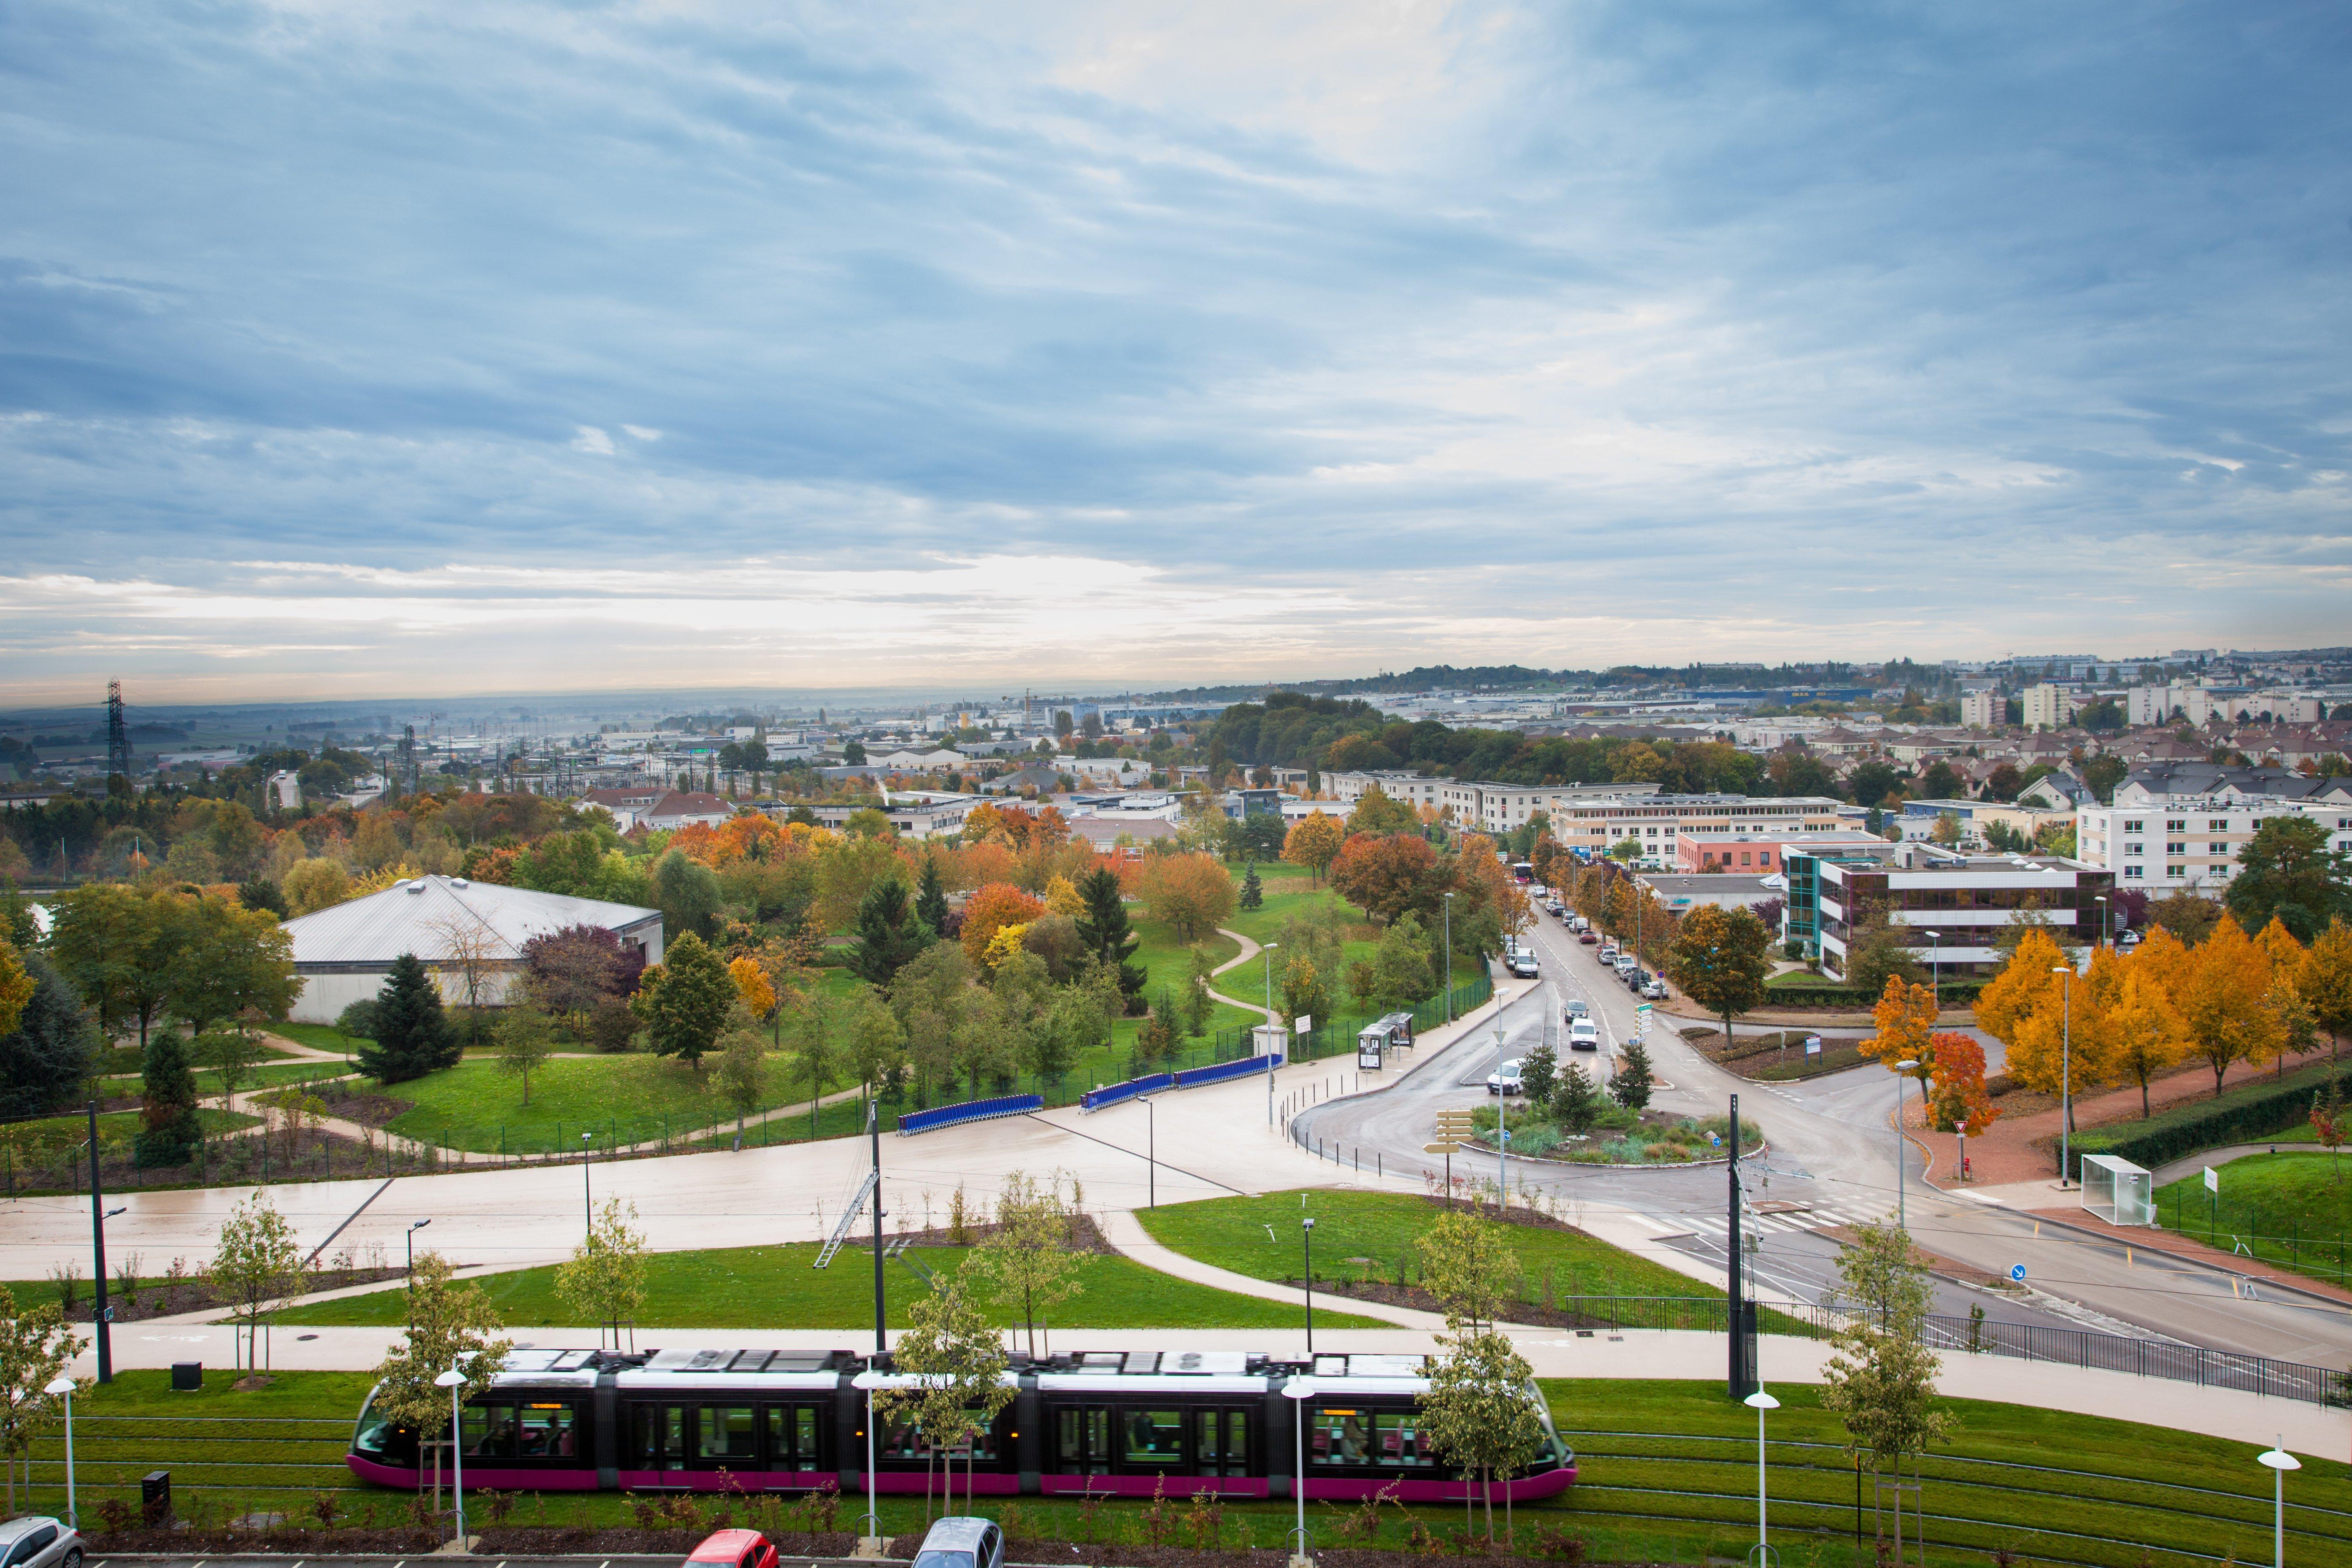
[63, 1388]
[1307, 1231]
[2066, 1075]
[1905, 1068]
[1760, 1402]
[2107, 931]
[1936, 968]
[410, 1274]
[101, 1320]
[1270, 1018]
[2280, 1462]
[1299, 1390]
[453, 1380]
[1449, 958]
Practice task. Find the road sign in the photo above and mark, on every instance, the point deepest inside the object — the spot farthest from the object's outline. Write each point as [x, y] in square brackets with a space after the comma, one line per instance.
[1456, 1121]
[2017, 1273]
[1812, 1045]
[2212, 1181]
[1303, 1024]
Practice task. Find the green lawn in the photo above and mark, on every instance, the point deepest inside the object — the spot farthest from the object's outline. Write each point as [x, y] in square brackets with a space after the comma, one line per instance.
[319, 1038]
[2294, 1210]
[1287, 895]
[477, 1105]
[777, 1288]
[1666, 1474]
[43, 1138]
[1361, 1233]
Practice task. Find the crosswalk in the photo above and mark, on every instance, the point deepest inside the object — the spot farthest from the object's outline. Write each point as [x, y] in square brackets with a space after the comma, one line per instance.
[1790, 1221]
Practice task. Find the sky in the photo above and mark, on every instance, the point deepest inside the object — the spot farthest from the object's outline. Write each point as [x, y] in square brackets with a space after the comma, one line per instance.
[359, 349]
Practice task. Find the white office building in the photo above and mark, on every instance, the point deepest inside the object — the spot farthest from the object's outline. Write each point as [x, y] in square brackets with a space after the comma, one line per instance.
[2182, 826]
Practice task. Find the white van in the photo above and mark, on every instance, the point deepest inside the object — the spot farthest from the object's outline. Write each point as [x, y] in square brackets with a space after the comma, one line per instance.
[1583, 1034]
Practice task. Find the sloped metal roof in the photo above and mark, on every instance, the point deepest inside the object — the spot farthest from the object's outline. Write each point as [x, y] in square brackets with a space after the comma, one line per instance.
[425, 915]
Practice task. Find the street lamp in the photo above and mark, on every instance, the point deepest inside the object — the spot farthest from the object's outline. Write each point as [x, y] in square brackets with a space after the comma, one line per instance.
[2107, 931]
[1307, 1231]
[1299, 1390]
[587, 1196]
[2066, 1075]
[1760, 1402]
[1936, 968]
[410, 1274]
[1151, 1156]
[1449, 958]
[2280, 1462]
[1903, 1068]
[63, 1388]
[1270, 1018]
[454, 1379]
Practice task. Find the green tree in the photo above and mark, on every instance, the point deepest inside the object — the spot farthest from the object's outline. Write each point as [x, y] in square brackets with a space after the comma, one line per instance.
[35, 1348]
[1029, 1262]
[449, 1325]
[1253, 894]
[1878, 953]
[890, 933]
[2287, 872]
[1200, 1007]
[231, 1056]
[1632, 1086]
[741, 1077]
[605, 1279]
[1104, 928]
[1718, 958]
[876, 1042]
[685, 1000]
[952, 1353]
[689, 895]
[1536, 1073]
[1478, 1412]
[169, 1129]
[1303, 995]
[256, 1265]
[1157, 1041]
[1575, 1102]
[522, 1039]
[413, 1034]
[1881, 1381]
[814, 1065]
[1376, 812]
[931, 900]
[49, 1049]
[1469, 1264]
[115, 944]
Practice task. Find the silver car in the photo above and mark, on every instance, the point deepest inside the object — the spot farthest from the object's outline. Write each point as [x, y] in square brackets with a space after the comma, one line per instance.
[38, 1541]
[962, 1541]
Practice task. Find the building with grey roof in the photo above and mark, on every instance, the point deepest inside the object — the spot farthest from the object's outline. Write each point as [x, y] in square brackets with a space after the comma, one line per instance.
[341, 955]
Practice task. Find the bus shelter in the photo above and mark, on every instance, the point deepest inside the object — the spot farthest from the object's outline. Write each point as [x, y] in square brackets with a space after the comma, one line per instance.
[2117, 1191]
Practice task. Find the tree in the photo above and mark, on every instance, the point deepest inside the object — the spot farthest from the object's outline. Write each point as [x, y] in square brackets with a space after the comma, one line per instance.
[950, 1353]
[1253, 894]
[1387, 876]
[50, 1049]
[2147, 1036]
[448, 1323]
[2221, 1002]
[1881, 1381]
[319, 883]
[605, 1279]
[522, 1039]
[876, 1042]
[232, 1056]
[1401, 971]
[1162, 1035]
[1906, 1020]
[753, 987]
[35, 1348]
[1312, 842]
[684, 1000]
[1031, 1261]
[228, 962]
[1878, 952]
[2186, 915]
[991, 909]
[1476, 1411]
[689, 894]
[2004, 782]
[1940, 782]
[17, 986]
[813, 1064]
[2327, 1125]
[115, 945]
[256, 1265]
[889, 933]
[2287, 872]
[574, 971]
[931, 899]
[412, 1035]
[1575, 1101]
[169, 1128]
[1537, 1071]
[1304, 994]
[1631, 1088]
[2326, 982]
[1956, 1096]
[1717, 960]
[1192, 893]
[1105, 930]
[1377, 814]
[1469, 1264]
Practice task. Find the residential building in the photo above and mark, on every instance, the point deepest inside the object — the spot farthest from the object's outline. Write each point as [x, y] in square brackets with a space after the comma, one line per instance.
[342, 954]
[1919, 817]
[2182, 825]
[658, 809]
[1397, 784]
[1754, 852]
[1595, 825]
[2049, 706]
[1954, 907]
[1981, 709]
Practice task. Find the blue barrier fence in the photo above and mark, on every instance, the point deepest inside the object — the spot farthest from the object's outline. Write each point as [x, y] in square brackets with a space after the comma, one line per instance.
[1190, 1078]
[941, 1116]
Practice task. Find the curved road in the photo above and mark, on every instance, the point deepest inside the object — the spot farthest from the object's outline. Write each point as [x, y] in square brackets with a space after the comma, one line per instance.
[1833, 1160]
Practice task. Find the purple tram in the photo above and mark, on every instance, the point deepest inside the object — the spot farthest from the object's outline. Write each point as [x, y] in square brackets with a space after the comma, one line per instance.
[1095, 1421]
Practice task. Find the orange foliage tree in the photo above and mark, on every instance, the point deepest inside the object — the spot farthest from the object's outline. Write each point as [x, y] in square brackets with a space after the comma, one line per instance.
[1906, 1017]
[1190, 892]
[1957, 1095]
[1386, 874]
[993, 907]
[1312, 842]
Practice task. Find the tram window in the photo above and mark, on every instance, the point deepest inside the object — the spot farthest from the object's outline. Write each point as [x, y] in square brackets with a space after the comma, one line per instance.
[1340, 1438]
[729, 1433]
[1221, 1442]
[1400, 1443]
[900, 1440]
[544, 1431]
[487, 1431]
[659, 1436]
[792, 1438]
[1154, 1438]
[1082, 1442]
[977, 1440]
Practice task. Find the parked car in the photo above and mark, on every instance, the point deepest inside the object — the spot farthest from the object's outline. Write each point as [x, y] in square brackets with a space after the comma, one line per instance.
[1654, 989]
[1583, 1034]
[961, 1540]
[1521, 963]
[39, 1540]
[1584, 935]
[1583, 925]
[1505, 1079]
[1609, 953]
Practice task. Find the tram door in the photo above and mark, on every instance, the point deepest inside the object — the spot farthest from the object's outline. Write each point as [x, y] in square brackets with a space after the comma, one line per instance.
[1221, 1442]
[1082, 1441]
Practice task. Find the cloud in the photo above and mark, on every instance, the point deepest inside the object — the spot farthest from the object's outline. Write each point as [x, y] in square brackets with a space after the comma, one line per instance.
[1576, 332]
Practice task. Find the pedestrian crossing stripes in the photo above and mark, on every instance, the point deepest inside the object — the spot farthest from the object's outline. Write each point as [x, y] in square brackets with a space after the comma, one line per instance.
[1716, 1224]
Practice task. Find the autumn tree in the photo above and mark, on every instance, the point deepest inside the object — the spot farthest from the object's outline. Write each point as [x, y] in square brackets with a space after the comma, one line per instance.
[2222, 1002]
[990, 910]
[1956, 1098]
[2326, 982]
[684, 1000]
[1312, 842]
[1377, 813]
[1387, 876]
[1718, 960]
[2147, 1035]
[1191, 893]
[1906, 1022]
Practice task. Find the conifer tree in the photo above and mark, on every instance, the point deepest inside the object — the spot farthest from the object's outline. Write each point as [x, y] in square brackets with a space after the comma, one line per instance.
[1104, 929]
[1252, 895]
[931, 900]
[167, 1116]
[413, 1032]
[1631, 1088]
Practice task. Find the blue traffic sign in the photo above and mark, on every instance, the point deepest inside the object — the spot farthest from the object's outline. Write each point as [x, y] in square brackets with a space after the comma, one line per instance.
[2017, 1273]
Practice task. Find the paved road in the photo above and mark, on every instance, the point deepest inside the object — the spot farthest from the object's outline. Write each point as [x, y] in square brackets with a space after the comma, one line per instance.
[1833, 1152]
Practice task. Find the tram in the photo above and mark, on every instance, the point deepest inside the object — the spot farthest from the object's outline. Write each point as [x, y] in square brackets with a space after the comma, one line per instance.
[1101, 1422]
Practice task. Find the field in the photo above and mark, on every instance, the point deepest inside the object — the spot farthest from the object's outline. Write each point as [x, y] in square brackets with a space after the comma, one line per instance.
[777, 1288]
[1288, 891]
[1668, 1474]
[633, 1097]
[2294, 1210]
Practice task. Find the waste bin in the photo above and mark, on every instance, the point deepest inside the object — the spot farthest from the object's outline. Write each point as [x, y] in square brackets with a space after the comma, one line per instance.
[187, 1377]
[155, 1498]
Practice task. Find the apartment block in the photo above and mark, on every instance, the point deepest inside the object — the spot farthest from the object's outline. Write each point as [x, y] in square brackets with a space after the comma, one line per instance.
[2182, 828]
[1981, 709]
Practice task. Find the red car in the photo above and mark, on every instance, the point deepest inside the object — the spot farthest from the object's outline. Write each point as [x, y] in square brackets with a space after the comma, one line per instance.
[1587, 938]
[734, 1549]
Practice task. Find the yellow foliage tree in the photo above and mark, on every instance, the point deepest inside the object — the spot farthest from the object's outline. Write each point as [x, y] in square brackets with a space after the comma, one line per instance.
[2145, 1029]
[752, 984]
[1314, 841]
[2024, 987]
[2222, 998]
[15, 987]
[1062, 898]
[1906, 1017]
[2327, 981]
[1003, 945]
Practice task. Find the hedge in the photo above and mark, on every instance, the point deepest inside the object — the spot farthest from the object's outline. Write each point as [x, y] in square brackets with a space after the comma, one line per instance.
[1830, 994]
[2251, 1111]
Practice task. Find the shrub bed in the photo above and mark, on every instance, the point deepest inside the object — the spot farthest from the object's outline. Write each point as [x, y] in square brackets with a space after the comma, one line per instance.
[2252, 1110]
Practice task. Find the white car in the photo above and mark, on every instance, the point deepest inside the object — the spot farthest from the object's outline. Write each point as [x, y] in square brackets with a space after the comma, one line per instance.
[39, 1540]
[1521, 963]
[1583, 1034]
[1609, 953]
[1505, 1079]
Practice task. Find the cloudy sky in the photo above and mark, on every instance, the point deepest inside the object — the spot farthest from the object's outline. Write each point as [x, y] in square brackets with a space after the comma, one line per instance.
[359, 349]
